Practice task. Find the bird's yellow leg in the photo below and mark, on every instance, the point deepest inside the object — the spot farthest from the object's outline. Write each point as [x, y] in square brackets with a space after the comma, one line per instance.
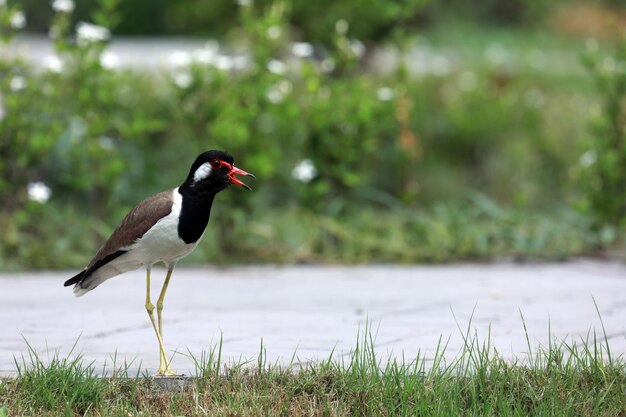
[150, 310]
[164, 368]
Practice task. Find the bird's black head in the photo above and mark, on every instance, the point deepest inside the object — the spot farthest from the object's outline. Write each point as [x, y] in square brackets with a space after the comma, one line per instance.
[213, 171]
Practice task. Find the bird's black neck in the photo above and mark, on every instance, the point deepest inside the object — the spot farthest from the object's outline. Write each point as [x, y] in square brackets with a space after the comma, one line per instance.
[194, 213]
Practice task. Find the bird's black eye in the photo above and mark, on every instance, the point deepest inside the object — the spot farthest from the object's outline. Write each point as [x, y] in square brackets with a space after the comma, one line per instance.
[216, 164]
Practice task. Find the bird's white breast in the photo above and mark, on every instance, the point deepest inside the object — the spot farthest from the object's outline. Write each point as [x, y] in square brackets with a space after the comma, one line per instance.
[161, 243]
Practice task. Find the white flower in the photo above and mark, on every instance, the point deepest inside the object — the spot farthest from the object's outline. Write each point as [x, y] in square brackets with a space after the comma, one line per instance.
[244, 3]
[53, 63]
[180, 58]
[305, 171]
[608, 64]
[302, 49]
[385, 94]
[277, 67]
[18, 20]
[17, 83]
[207, 54]
[63, 6]
[106, 143]
[327, 65]
[212, 45]
[87, 32]
[109, 60]
[224, 63]
[39, 192]
[274, 32]
[276, 93]
[203, 56]
[357, 48]
[182, 79]
[588, 158]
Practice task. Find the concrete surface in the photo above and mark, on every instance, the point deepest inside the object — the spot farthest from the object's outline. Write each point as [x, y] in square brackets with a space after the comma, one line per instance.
[311, 311]
[421, 59]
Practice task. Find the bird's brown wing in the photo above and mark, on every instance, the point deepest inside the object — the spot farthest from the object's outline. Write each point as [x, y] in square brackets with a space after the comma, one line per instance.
[136, 223]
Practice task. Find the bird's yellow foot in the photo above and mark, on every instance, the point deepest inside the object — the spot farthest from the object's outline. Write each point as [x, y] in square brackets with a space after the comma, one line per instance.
[167, 372]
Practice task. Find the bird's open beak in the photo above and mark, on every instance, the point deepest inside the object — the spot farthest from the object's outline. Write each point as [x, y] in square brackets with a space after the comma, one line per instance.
[234, 180]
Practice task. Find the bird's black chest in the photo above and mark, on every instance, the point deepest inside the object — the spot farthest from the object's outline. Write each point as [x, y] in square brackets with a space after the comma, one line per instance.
[194, 216]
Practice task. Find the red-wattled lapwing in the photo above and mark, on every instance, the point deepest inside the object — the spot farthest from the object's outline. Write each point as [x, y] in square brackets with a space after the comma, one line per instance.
[162, 228]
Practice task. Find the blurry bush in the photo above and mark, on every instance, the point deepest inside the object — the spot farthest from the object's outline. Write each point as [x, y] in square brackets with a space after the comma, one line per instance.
[618, 3]
[498, 12]
[68, 127]
[351, 166]
[602, 165]
[370, 20]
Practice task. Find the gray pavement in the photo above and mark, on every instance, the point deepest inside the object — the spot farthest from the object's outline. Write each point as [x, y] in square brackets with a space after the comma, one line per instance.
[312, 310]
[421, 59]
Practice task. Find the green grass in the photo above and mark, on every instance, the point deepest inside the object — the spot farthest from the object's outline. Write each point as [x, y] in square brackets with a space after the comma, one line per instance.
[563, 378]
[66, 384]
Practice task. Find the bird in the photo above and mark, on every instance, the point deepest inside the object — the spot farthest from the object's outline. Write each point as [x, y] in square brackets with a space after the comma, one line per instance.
[162, 228]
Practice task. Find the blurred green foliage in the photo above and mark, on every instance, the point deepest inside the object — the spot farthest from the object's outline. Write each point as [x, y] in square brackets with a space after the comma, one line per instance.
[455, 163]
[603, 163]
[494, 12]
[370, 20]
